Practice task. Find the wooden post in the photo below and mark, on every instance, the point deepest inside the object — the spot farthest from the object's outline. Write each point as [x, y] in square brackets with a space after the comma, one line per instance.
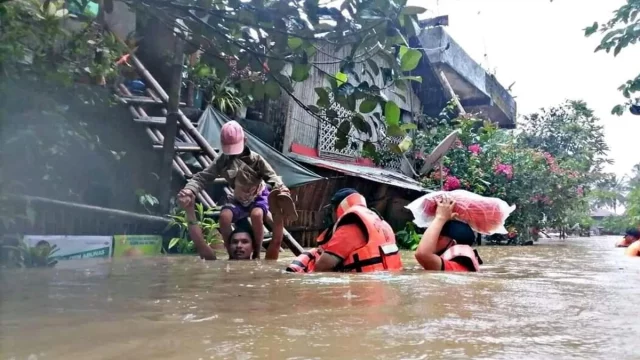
[452, 93]
[191, 87]
[171, 128]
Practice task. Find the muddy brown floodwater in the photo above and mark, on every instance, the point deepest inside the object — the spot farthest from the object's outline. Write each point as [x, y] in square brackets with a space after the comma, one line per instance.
[576, 299]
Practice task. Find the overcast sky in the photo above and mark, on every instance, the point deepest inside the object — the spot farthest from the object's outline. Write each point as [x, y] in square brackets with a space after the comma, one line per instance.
[540, 45]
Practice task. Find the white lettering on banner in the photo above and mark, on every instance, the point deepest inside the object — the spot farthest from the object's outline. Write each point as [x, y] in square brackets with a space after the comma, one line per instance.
[86, 255]
[96, 253]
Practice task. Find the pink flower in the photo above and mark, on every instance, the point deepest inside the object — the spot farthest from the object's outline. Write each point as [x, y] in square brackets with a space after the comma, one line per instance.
[475, 149]
[580, 191]
[552, 163]
[505, 169]
[451, 183]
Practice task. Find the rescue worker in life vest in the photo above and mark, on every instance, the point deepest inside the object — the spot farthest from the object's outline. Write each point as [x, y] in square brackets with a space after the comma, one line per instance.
[446, 244]
[356, 239]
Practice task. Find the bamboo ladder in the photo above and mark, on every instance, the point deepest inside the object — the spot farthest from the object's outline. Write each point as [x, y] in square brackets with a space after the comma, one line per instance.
[188, 139]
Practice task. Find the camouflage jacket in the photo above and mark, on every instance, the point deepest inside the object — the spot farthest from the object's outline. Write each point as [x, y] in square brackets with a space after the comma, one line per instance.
[249, 168]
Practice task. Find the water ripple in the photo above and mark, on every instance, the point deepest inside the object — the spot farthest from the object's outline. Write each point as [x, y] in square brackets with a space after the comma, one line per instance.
[574, 299]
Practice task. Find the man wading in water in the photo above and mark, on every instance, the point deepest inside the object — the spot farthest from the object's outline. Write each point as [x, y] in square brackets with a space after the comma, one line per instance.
[246, 172]
[241, 243]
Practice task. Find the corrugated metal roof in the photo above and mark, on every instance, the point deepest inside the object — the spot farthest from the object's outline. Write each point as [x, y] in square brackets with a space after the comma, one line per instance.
[602, 213]
[378, 175]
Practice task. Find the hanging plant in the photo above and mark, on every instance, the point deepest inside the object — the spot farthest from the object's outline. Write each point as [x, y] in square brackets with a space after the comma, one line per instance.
[225, 97]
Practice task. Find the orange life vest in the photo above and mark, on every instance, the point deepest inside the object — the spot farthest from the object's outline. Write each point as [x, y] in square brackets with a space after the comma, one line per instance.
[463, 254]
[320, 240]
[381, 252]
[305, 262]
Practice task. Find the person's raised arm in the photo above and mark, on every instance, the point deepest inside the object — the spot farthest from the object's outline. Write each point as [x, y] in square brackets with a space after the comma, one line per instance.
[273, 250]
[195, 233]
[426, 251]
[201, 179]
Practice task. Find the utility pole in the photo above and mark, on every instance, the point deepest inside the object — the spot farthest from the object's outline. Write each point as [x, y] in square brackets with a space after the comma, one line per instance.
[171, 125]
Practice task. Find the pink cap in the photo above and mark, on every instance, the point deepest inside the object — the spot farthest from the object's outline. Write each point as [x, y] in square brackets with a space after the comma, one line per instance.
[232, 138]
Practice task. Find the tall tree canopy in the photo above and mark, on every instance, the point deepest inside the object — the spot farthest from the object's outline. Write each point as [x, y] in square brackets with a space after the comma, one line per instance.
[569, 132]
[622, 30]
[281, 38]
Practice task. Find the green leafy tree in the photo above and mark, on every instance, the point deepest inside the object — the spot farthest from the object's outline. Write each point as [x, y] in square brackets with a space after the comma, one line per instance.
[569, 132]
[38, 45]
[609, 191]
[634, 179]
[633, 205]
[544, 173]
[619, 32]
[282, 41]
[288, 41]
[630, 191]
[624, 191]
[616, 224]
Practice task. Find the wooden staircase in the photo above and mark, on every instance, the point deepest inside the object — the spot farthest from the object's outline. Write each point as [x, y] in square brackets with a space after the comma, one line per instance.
[188, 139]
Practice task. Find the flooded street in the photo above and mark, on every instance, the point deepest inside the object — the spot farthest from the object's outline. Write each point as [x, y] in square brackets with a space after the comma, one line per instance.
[576, 299]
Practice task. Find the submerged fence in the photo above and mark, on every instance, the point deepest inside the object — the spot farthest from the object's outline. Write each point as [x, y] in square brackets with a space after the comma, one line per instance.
[42, 216]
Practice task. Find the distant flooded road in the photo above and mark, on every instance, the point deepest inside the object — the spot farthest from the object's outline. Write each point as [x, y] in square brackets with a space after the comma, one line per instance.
[573, 299]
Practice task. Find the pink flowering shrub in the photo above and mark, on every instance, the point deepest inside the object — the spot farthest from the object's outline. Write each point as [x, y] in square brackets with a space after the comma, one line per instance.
[491, 162]
[504, 169]
[451, 183]
[475, 149]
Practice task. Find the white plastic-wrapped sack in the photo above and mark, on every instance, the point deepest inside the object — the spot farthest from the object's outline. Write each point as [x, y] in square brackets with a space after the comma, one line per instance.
[485, 215]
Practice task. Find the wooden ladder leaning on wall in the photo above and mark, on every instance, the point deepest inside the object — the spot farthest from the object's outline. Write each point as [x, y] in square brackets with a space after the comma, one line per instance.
[188, 139]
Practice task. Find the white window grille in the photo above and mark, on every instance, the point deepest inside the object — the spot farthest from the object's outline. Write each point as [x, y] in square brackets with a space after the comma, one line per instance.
[327, 135]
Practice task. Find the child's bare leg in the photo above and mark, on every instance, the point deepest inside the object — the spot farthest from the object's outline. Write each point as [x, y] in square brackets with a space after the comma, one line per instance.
[257, 224]
[225, 221]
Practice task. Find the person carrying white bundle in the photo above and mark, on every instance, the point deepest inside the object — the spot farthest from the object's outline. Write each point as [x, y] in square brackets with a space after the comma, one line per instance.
[451, 218]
